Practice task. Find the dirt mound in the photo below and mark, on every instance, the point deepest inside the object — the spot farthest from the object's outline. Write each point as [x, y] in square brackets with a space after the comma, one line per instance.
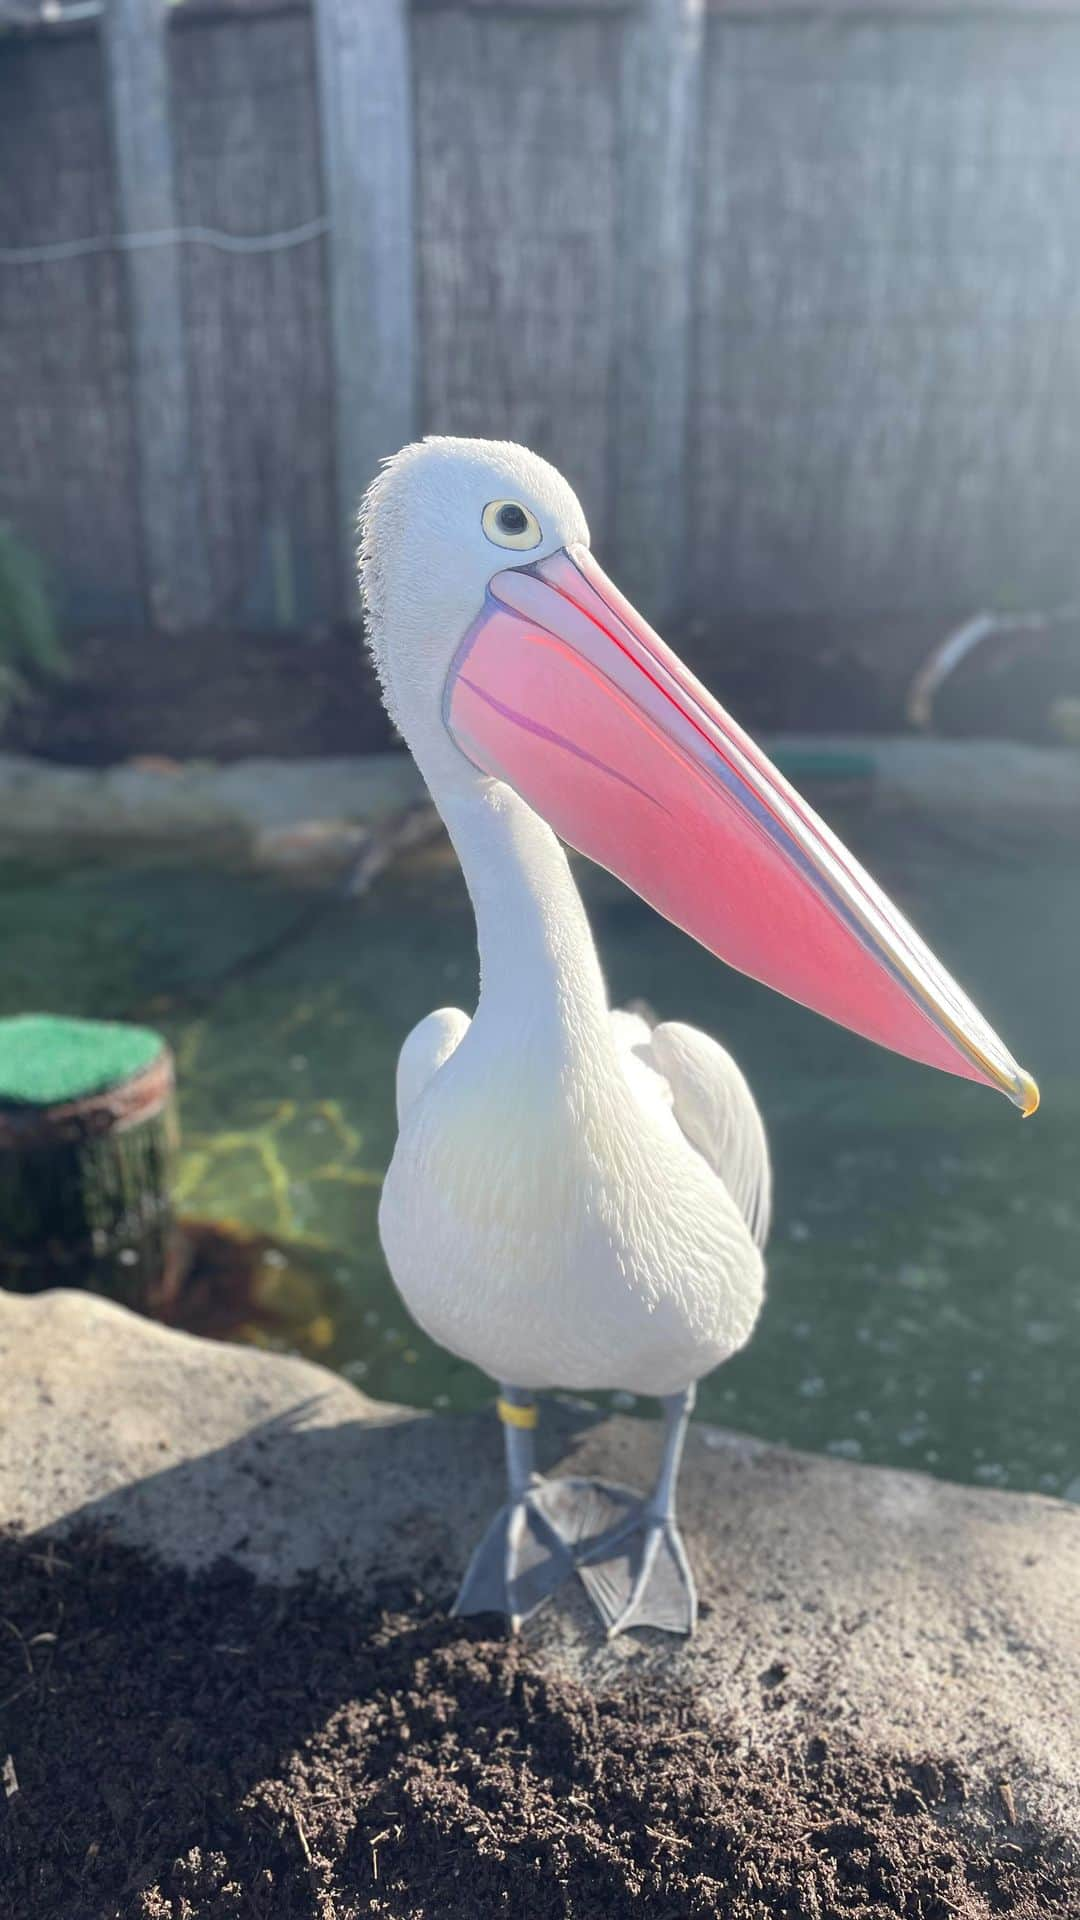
[203, 1748]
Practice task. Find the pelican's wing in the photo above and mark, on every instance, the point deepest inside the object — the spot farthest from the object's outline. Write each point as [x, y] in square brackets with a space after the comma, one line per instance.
[431, 1042]
[633, 1032]
[716, 1111]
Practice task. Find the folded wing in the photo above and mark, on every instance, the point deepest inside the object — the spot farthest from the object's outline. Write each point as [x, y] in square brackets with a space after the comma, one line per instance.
[430, 1043]
[712, 1103]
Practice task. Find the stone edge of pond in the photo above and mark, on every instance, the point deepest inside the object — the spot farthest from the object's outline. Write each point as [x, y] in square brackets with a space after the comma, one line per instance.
[260, 804]
[840, 1599]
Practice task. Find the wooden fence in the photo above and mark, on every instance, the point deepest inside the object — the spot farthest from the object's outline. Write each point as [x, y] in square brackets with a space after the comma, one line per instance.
[791, 294]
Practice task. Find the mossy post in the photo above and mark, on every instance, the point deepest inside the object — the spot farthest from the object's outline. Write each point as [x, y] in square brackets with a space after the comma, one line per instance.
[87, 1146]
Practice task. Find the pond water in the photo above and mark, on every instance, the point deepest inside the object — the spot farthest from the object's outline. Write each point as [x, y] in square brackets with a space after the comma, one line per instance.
[923, 1306]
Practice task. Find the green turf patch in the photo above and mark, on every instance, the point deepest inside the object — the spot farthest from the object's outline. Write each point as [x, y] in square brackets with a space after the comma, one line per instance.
[45, 1059]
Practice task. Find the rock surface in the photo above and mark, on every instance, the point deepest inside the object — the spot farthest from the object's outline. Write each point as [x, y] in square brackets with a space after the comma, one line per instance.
[883, 1605]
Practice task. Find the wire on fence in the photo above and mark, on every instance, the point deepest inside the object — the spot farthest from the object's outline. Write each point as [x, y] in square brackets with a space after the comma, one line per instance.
[166, 237]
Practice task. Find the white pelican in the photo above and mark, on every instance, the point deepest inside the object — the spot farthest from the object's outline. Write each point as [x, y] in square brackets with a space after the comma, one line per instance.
[576, 1201]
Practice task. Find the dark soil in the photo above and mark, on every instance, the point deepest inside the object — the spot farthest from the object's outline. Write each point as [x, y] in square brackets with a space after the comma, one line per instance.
[224, 694]
[228, 694]
[212, 695]
[204, 1747]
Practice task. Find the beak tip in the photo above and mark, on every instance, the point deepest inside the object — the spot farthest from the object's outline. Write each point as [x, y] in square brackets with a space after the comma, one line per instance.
[1026, 1096]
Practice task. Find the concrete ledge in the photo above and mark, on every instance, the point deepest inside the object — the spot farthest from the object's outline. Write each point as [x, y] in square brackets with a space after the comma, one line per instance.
[996, 781]
[155, 801]
[902, 1611]
[261, 803]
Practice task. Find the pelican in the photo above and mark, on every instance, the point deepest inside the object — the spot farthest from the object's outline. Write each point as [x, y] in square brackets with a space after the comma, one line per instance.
[578, 1199]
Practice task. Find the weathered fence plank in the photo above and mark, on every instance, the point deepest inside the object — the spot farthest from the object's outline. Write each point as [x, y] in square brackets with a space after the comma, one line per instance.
[516, 131]
[888, 316]
[67, 469]
[248, 162]
[366, 111]
[173, 534]
[875, 216]
[660, 94]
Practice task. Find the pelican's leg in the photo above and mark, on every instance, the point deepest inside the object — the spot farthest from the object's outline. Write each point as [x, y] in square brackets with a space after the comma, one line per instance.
[638, 1574]
[522, 1558]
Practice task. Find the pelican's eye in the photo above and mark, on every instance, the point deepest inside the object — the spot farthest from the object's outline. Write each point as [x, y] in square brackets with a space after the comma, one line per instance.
[509, 524]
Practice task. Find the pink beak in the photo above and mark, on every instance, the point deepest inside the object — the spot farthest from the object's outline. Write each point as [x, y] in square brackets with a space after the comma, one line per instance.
[563, 691]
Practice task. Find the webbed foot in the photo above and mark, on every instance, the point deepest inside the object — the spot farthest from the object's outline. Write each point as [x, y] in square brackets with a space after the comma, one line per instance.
[639, 1576]
[519, 1563]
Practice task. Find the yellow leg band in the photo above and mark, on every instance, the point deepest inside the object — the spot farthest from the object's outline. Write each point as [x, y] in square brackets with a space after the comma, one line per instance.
[516, 1416]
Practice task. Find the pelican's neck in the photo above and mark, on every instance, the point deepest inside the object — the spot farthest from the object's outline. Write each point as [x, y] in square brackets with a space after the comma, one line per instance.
[540, 977]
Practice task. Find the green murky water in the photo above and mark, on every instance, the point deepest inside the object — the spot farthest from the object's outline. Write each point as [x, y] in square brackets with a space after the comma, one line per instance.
[924, 1305]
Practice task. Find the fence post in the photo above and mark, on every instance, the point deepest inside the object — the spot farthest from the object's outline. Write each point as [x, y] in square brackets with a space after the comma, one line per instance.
[365, 106]
[174, 551]
[660, 84]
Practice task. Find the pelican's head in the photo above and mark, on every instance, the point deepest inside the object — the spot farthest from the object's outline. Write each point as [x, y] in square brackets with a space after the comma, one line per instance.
[505, 653]
[443, 518]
